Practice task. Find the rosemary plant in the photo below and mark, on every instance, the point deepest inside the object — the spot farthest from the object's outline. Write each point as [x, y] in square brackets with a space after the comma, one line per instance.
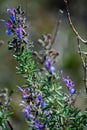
[45, 105]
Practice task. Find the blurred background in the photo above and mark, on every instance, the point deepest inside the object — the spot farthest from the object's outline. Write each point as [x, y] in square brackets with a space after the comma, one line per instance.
[41, 19]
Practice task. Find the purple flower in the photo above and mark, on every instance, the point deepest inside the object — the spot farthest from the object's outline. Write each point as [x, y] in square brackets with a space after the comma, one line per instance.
[48, 63]
[11, 11]
[49, 66]
[9, 24]
[19, 36]
[26, 111]
[8, 31]
[21, 19]
[40, 101]
[69, 83]
[12, 18]
[72, 91]
[51, 69]
[19, 30]
[24, 93]
[43, 104]
[38, 125]
[46, 112]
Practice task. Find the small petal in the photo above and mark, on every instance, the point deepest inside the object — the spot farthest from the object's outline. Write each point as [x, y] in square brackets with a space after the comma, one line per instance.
[19, 36]
[52, 69]
[9, 24]
[48, 63]
[19, 30]
[24, 93]
[12, 18]
[46, 112]
[43, 104]
[72, 91]
[39, 99]
[26, 111]
[11, 11]
[38, 125]
[8, 32]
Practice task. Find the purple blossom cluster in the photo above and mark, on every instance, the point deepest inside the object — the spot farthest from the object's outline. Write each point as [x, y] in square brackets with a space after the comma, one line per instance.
[33, 106]
[69, 83]
[49, 66]
[16, 26]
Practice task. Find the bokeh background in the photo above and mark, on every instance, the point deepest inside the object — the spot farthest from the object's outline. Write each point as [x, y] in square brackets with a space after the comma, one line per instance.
[41, 19]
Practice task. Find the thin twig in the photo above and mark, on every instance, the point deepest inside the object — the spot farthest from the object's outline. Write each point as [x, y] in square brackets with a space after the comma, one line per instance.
[80, 53]
[79, 38]
[83, 64]
[57, 26]
[83, 52]
[10, 126]
[71, 24]
[85, 76]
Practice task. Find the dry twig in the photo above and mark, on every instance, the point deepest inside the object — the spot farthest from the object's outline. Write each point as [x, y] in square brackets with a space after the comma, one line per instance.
[79, 38]
[57, 26]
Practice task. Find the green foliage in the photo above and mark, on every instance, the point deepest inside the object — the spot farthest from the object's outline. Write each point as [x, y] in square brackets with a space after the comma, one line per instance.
[63, 114]
[26, 65]
[45, 105]
[4, 119]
